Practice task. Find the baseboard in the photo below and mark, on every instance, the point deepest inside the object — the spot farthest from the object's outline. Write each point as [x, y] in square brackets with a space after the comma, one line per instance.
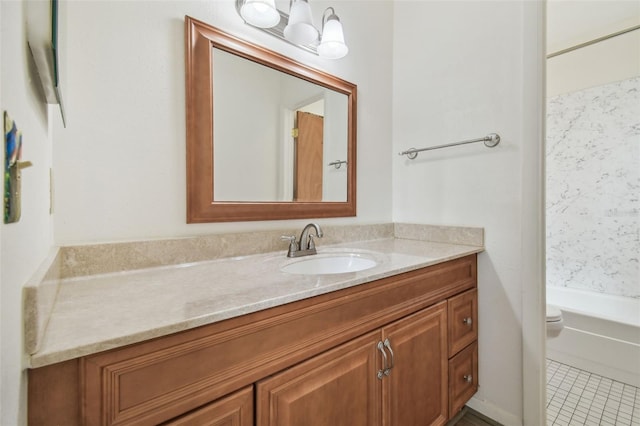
[494, 414]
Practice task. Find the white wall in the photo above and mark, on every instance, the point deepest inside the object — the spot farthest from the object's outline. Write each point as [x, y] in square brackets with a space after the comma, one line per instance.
[26, 243]
[611, 60]
[572, 23]
[461, 70]
[119, 167]
[247, 130]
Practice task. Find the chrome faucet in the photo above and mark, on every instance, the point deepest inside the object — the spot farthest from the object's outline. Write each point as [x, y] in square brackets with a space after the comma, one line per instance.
[306, 245]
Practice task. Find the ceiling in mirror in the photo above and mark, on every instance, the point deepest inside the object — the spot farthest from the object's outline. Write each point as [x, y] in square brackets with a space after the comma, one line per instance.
[265, 134]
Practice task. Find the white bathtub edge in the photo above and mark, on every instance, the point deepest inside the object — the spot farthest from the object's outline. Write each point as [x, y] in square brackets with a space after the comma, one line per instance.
[593, 353]
[620, 309]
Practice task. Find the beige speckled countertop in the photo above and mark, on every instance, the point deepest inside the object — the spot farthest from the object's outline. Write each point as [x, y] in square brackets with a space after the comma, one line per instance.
[98, 312]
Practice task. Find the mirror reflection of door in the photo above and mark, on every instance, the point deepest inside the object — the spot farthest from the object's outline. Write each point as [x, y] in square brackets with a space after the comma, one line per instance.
[308, 157]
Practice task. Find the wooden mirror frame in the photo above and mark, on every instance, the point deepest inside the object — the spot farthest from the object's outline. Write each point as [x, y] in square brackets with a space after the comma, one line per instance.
[201, 207]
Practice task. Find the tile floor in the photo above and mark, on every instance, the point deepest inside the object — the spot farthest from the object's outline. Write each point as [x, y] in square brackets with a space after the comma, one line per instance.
[579, 398]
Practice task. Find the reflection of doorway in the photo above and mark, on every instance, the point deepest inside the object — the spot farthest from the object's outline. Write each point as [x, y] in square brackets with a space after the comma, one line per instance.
[308, 157]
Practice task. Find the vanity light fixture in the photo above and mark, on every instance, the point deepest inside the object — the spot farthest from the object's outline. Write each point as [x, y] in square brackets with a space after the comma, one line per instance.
[300, 29]
[260, 13]
[332, 44]
[297, 28]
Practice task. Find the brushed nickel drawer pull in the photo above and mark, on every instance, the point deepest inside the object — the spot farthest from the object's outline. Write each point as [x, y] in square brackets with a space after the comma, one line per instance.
[468, 378]
[467, 321]
[383, 372]
[387, 344]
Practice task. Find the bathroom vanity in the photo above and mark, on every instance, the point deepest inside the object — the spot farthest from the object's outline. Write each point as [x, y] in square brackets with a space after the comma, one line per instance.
[397, 347]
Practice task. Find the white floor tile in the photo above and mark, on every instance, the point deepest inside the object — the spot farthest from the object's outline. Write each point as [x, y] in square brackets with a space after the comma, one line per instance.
[580, 398]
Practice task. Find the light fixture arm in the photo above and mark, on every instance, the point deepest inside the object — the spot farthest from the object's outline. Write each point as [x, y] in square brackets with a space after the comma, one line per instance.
[332, 45]
[325, 18]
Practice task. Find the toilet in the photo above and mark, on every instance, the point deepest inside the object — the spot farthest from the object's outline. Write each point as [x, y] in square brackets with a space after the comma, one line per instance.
[555, 324]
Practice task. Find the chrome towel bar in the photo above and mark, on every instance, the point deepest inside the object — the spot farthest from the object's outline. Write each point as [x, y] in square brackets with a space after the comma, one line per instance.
[337, 163]
[491, 140]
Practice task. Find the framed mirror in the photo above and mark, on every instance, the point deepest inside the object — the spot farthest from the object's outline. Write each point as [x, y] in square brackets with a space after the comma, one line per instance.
[268, 138]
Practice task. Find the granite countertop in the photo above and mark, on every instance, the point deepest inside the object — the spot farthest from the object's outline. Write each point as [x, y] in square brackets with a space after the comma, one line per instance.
[100, 312]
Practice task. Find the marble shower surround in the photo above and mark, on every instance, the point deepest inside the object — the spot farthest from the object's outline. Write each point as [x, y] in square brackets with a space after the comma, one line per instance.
[593, 189]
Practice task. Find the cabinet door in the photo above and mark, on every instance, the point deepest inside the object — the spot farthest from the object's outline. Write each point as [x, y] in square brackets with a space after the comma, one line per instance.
[415, 391]
[337, 388]
[233, 410]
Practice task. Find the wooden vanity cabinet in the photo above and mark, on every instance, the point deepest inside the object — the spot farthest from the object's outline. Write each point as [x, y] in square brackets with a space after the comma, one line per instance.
[314, 359]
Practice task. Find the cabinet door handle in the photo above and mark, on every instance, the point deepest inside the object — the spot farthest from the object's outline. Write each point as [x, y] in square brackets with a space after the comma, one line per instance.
[468, 378]
[381, 373]
[387, 344]
[467, 321]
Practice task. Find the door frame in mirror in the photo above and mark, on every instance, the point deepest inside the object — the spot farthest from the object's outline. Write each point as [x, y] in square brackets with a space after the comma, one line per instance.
[201, 38]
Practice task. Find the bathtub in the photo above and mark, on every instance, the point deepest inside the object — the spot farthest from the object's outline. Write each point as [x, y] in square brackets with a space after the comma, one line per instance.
[601, 333]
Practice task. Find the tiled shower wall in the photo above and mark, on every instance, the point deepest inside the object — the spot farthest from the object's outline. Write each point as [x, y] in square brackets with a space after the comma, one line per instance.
[593, 189]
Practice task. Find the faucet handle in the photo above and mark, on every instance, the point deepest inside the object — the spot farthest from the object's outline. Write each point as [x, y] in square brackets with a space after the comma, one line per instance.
[290, 238]
[312, 243]
[293, 244]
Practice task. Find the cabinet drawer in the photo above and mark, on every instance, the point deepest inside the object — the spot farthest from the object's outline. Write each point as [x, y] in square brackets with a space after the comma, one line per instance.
[463, 320]
[235, 409]
[463, 378]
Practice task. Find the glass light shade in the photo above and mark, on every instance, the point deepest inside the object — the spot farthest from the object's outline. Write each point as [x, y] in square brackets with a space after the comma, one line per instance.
[332, 44]
[300, 29]
[260, 13]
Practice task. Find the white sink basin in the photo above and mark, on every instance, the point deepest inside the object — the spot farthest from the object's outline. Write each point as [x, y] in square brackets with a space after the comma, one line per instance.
[329, 264]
